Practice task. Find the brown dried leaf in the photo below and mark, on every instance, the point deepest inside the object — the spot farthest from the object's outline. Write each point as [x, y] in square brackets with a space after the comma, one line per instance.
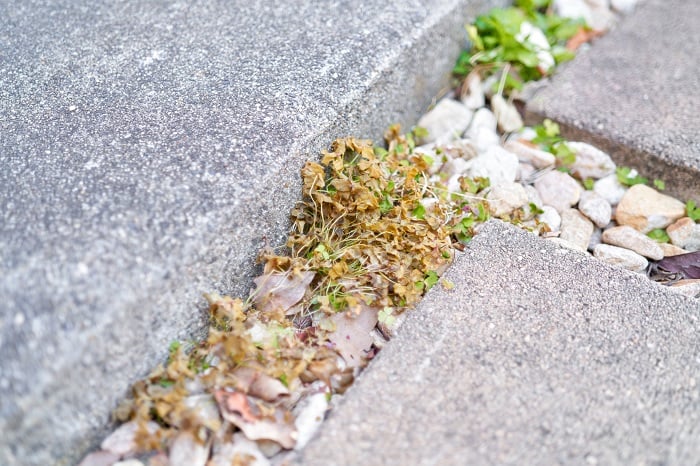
[351, 337]
[186, 450]
[123, 441]
[237, 409]
[581, 37]
[260, 385]
[240, 451]
[279, 291]
[100, 458]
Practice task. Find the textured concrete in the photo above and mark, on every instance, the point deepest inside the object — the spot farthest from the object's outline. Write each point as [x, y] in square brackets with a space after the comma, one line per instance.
[539, 355]
[148, 149]
[635, 93]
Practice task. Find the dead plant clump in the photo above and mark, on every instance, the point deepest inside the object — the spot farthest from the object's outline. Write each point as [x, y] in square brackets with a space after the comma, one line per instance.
[371, 235]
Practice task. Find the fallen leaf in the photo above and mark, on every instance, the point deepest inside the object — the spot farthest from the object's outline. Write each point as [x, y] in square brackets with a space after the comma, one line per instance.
[687, 265]
[240, 451]
[581, 37]
[100, 458]
[234, 403]
[279, 291]
[204, 410]
[236, 408]
[260, 385]
[352, 337]
[122, 441]
[186, 450]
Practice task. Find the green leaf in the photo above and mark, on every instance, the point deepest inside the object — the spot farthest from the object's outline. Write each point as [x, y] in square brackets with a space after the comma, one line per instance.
[419, 212]
[564, 154]
[385, 205]
[534, 209]
[692, 211]
[588, 183]
[431, 279]
[420, 132]
[380, 152]
[659, 184]
[659, 235]
[628, 178]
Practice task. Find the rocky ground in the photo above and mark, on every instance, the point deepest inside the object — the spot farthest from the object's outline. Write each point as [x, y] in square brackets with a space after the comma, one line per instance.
[589, 205]
[473, 159]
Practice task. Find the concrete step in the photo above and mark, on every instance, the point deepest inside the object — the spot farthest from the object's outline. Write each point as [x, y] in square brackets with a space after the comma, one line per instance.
[635, 94]
[539, 355]
[147, 152]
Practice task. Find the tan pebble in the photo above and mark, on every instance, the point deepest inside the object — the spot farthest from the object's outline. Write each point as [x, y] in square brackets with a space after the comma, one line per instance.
[645, 209]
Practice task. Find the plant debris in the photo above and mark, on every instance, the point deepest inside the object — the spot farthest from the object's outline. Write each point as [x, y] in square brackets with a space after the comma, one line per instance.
[374, 231]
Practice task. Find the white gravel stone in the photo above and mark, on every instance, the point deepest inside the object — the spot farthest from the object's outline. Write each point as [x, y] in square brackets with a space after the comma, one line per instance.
[446, 121]
[602, 19]
[551, 217]
[505, 198]
[558, 189]
[629, 238]
[455, 167]
[483, 118]
[525, 172]
[623, 6]
[484, 138]
[507, 115]
[620, 257]
[596, 239]
[671, 250]
[573, 9]
[474, 97]
[576, 228]
[690, 288]
[526, 153]
[610, 189]
[595, 208]
[568, 245]
[496, 164]
[591, 162]
[645, 209]
[685, 233]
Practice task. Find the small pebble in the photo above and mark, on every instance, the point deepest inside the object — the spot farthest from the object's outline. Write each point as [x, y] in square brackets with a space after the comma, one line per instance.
[610, 189]
[446, 121]
[591, 162]
[645, 209]
[595, 208]
[558, 189]
[620, 257]
[629, 238]
[576, 228]
[685, 233]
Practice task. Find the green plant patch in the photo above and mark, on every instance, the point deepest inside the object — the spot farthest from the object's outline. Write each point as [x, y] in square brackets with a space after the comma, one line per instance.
[659, 235]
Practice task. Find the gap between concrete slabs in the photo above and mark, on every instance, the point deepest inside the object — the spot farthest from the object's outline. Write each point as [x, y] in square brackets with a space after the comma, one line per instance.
[540, 355]
[635, 95]
[147, 150]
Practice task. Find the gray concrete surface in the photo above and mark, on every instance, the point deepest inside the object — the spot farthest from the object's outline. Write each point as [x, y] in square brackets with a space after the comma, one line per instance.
[635, 93]
[148, 149]
[539, 356]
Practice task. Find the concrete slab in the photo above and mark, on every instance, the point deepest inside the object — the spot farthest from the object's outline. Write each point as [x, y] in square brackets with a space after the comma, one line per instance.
[539, 355]
[147, 152]
[635, 94]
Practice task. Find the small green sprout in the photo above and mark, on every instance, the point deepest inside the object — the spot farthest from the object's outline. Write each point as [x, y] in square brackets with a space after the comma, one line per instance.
[659, 235]
[629, 177]
[692, 211]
